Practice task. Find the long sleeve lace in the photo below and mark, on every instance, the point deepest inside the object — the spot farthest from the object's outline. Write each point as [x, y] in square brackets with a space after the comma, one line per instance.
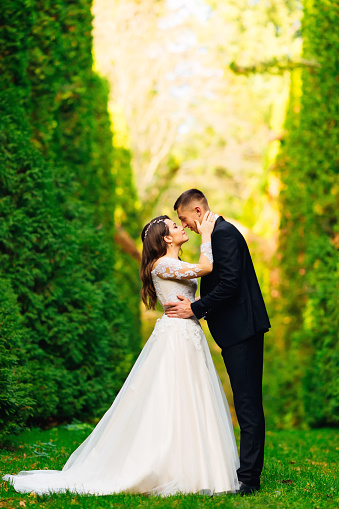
[206, 250]
[171, 268]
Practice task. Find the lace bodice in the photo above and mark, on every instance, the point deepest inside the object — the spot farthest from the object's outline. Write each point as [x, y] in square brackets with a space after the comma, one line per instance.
[173, 281]
[172, 277]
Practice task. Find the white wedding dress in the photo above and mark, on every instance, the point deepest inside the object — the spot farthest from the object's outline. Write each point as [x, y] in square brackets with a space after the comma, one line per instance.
[169, 430]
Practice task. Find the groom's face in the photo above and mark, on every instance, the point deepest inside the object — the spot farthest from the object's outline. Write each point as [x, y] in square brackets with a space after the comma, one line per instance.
[187, 216]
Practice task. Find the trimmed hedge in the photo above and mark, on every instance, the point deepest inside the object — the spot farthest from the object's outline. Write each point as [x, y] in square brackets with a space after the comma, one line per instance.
[307, 384]
[66, 343]
[126, 268]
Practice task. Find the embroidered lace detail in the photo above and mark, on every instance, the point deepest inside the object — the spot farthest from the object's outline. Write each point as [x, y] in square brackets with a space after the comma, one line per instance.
[206, 250]
[189, 328]
[179, 280]
[168, 289]
[172, 268]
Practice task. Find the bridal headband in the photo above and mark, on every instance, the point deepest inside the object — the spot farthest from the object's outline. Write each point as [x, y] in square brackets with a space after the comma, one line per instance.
[152, 223]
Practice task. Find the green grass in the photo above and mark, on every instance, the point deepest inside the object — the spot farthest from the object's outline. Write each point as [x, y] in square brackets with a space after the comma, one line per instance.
[300, 472]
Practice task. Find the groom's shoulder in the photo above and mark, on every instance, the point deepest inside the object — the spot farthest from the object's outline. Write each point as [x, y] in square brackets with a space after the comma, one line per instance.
[223, 225]
[226, 228]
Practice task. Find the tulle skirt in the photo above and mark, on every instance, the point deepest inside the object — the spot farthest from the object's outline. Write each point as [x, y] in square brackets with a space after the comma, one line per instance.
[168, 431]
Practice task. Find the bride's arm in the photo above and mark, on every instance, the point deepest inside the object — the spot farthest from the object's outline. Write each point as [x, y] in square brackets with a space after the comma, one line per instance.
[205, 228]
[171, 268]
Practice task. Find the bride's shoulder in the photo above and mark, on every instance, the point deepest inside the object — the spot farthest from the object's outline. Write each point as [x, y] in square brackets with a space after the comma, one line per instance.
[165, 262]
[159, 260]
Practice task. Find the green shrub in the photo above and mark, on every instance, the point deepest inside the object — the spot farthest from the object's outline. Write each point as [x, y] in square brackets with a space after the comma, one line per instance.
[308, 391]
[15, 400]
[61, 272]
[68, 341]
[127, 268]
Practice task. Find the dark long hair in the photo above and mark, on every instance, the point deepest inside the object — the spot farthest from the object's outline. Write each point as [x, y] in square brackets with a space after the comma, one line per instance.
[154, 246]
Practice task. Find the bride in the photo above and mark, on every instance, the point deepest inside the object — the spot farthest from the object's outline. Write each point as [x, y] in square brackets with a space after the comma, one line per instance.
[169, 429]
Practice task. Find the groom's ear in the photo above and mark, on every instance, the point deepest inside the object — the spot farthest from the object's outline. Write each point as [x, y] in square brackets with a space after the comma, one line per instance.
[198, 211]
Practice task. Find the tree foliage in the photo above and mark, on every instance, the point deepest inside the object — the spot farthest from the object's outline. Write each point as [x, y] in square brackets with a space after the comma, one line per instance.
[189, 116]
[307, 364]
[67, 341]
[127, 261]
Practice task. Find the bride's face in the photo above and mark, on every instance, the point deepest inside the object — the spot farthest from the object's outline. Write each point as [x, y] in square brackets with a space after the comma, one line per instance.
[177, 233]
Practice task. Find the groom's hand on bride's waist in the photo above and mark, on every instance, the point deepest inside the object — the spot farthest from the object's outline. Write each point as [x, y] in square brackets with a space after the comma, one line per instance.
[181, 309]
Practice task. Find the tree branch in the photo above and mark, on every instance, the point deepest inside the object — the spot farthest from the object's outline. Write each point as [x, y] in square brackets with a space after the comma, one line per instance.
[273, 66]
[126, 243]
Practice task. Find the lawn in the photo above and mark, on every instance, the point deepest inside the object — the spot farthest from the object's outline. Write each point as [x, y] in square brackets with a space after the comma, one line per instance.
[300, 472]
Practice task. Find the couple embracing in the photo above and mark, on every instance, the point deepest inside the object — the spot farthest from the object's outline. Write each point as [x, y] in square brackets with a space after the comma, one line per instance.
[169, 430]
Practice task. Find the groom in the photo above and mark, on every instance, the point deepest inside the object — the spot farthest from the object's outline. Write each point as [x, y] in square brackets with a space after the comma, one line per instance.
[234, 308]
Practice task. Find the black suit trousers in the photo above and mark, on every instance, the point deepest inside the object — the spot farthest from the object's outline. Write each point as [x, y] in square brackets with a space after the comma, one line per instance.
[244, 364]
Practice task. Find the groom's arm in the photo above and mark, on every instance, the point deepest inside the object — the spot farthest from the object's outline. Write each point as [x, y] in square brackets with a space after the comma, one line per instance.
[227, 262]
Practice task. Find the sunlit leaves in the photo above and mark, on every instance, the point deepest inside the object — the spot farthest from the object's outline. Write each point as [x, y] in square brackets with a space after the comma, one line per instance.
[308, 167]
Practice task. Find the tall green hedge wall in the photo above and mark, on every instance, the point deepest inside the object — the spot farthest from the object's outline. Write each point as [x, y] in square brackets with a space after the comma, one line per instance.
[66, 340]
[127, 268]
[307, 389]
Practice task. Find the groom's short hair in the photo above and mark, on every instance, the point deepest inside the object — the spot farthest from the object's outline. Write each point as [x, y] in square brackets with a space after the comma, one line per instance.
[191, 195]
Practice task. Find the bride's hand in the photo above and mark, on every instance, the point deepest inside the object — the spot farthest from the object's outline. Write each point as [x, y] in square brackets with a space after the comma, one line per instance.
[207, 224]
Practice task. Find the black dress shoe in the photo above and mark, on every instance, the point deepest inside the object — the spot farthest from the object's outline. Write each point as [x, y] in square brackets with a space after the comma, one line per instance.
[245, 489]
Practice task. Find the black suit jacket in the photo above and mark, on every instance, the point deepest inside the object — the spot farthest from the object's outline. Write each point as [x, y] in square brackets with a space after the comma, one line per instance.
[231, 300]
